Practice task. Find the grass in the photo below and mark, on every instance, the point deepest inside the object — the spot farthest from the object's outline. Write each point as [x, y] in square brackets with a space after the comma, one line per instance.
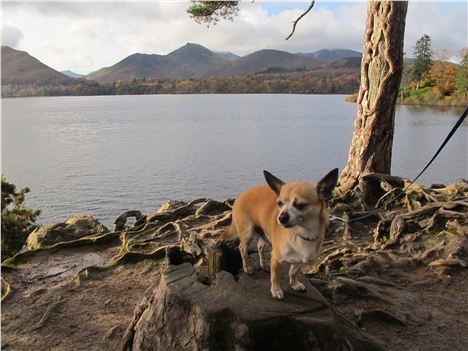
[427, 95]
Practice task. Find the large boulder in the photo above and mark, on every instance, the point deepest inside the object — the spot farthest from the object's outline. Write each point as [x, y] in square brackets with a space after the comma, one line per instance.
[74, 228]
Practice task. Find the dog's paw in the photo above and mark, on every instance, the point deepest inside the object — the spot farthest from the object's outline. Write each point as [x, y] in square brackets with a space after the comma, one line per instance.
[249, 271]
[298, 286]
[277, 293]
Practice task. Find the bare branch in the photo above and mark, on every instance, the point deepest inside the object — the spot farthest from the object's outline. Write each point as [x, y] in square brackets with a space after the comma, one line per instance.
[299, 18]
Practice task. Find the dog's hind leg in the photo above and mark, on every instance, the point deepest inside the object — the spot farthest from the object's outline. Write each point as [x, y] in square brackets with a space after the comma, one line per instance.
[260, 246]
[296, 285]
[245, 235]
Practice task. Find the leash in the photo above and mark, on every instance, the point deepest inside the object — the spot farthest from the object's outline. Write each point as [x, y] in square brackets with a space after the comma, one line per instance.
[449, 136]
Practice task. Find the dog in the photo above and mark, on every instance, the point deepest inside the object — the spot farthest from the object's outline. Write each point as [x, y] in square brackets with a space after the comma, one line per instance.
[292, 217]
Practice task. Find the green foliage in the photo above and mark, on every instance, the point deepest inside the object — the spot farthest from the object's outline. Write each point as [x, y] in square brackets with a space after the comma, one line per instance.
[430, 96]
[211, 12]
[17, 219]
[423, 59]
[462, 75]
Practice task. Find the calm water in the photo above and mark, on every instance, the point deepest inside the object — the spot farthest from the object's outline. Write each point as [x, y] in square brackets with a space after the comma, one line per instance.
[106, 155]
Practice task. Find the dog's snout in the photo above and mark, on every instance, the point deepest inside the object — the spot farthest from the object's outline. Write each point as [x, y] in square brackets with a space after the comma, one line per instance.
[283, 218]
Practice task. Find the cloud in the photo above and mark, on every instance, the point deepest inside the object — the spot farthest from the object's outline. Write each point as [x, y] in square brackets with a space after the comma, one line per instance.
[84, 37]
[445, 23]
[11, 36]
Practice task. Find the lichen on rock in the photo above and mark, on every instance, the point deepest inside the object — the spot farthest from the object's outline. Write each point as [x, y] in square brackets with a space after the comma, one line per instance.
[74, 228]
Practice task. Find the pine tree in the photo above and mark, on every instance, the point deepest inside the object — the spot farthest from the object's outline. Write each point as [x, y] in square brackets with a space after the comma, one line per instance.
[423, 59]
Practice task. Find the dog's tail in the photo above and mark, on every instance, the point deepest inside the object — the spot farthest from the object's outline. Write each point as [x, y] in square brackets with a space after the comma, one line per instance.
[229, 234]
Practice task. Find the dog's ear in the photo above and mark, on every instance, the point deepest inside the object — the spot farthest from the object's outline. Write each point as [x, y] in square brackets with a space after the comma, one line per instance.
[326, 185]
[273, 182]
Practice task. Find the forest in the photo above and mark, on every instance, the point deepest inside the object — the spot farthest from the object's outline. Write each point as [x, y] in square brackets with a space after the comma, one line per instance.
[266, 83]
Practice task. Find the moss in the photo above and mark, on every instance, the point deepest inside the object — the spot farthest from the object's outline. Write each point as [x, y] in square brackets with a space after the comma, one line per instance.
[452, 230]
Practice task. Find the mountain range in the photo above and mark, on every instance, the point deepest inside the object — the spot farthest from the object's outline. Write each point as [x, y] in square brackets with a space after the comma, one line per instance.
[188, 61]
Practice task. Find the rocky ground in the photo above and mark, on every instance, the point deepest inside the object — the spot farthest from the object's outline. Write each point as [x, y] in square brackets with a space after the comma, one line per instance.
[396, 280]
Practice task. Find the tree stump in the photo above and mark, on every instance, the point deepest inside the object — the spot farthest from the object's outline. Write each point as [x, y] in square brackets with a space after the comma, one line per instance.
[181, 312]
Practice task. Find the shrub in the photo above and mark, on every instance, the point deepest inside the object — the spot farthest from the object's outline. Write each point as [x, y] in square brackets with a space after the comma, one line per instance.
[18, 220]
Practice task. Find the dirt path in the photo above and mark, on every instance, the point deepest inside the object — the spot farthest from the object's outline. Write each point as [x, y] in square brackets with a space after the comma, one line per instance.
[51, 309]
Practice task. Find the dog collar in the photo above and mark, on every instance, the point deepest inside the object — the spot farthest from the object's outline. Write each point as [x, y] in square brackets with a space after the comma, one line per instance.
[305, 238]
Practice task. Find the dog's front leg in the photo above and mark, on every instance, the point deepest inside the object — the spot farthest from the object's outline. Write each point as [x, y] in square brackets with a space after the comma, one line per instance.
[276, 290]
[295, 284]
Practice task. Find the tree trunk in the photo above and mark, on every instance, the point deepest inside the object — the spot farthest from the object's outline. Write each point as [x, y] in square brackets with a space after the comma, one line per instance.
[381, 71]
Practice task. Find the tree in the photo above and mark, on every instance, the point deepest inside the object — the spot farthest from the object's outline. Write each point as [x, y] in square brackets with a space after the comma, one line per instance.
[17, 219]
[423, 59]
[211, 12]
[443, 74]
[381, 71]
[462, 74]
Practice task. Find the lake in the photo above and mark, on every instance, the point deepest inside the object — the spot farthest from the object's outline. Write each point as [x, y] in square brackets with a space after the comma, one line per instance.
[107, 154]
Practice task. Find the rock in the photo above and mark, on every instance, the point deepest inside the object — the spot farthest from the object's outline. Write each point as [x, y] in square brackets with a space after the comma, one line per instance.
[87, 224]
[74, 228]
[181, 313]
[170, 205]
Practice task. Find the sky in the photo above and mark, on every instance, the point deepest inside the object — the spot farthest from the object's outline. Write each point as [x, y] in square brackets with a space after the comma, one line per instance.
[86, 36]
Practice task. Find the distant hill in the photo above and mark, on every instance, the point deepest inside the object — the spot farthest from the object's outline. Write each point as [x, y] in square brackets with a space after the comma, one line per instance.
[71, 74]
[263, 60]
[195, 60]
[348, 62]
[330, 55]
[135, 66]
[18, 67]
[190, 60]
[227, 55]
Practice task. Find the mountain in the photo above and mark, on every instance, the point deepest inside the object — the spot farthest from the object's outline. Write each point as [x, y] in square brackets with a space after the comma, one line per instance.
[195, 60]
[227, 55]
[71, 74]
[18, 67]
[330, 55]
[347, 62]
[190, 60]
[135, 66]
[264, 60]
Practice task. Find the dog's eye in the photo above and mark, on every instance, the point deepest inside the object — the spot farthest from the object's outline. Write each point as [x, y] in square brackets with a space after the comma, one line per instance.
[300, 206]
[280, 203]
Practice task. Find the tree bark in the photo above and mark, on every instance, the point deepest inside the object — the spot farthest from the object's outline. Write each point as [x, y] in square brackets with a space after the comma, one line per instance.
[381, 71]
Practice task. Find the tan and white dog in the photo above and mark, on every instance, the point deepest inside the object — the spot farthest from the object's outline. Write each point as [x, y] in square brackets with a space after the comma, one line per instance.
[291, 216]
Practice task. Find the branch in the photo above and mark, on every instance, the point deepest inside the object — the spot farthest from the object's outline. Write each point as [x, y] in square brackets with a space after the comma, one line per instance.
[299, 18]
